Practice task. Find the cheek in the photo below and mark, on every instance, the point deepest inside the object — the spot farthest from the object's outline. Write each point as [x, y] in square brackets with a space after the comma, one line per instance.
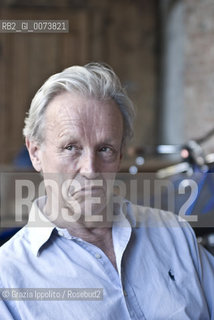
[112, 166]
[51, 162]
[107, 168]
[65, 165]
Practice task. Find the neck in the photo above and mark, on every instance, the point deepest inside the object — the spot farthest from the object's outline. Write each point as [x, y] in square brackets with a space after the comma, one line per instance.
[81, 227]
[98, 234]
[92, 235]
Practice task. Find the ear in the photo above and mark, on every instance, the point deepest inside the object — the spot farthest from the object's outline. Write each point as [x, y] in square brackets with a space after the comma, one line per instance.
[34, 150]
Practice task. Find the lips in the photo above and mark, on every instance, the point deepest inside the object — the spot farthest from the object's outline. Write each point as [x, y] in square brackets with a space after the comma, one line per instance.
[91, 189]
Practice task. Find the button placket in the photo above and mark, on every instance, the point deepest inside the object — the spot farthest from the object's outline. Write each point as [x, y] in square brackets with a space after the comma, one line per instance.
[98, 255]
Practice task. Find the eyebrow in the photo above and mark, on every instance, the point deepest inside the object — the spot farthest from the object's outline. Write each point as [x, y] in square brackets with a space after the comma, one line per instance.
[74, 139]
[66, 139]
[65, 135]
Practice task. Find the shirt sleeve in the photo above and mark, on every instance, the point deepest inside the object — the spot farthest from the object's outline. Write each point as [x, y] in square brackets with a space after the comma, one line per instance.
[206, 273]
[204, 264]
[5, 312]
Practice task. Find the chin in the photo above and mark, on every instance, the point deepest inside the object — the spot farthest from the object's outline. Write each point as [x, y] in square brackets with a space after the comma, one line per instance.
[87, 212]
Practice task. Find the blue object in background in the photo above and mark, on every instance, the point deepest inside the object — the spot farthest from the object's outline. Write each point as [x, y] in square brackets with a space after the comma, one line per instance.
[22, 160]
[7, 234]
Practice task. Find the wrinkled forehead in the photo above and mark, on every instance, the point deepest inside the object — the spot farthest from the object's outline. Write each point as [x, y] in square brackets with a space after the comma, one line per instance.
[67, 109]
[63, 105]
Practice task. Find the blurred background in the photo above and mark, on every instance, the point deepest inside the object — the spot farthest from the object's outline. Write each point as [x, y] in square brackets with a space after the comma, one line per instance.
[163, 52]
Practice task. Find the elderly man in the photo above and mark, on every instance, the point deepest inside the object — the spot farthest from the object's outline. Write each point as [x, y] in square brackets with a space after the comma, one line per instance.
[124, 261]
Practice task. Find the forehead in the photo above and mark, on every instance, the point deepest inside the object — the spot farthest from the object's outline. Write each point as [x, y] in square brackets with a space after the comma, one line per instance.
[68, 109]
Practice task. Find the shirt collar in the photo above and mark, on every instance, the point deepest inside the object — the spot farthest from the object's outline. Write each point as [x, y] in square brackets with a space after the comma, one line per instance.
[124, 213]
[38, 226]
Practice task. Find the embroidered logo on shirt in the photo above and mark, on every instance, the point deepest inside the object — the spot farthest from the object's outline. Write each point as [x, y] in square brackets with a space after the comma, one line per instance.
[171, 275]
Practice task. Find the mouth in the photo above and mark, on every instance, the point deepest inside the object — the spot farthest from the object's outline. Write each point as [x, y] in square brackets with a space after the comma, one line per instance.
[89, 191]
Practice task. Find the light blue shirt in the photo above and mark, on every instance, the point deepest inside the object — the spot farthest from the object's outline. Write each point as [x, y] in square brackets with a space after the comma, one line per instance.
[162, 272]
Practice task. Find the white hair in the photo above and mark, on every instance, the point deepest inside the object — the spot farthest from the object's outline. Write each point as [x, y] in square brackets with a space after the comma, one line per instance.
[92, 80]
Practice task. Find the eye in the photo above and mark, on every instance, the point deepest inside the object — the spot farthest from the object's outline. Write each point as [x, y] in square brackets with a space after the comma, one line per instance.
[107, 153]
[105, 149]
[70, 148]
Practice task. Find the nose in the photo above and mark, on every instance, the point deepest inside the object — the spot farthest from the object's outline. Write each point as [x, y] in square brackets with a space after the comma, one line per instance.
[89, 168]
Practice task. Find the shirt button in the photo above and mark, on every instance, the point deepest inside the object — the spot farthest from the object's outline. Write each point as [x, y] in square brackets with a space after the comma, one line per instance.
[98, 256]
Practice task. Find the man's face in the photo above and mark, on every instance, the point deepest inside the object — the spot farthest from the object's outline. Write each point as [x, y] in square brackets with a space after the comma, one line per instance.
[83, 146]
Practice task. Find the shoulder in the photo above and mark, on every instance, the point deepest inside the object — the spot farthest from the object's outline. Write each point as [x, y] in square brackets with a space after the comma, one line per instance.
[153, 217]
[167, 226]
[16, 242]
[13, 254]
